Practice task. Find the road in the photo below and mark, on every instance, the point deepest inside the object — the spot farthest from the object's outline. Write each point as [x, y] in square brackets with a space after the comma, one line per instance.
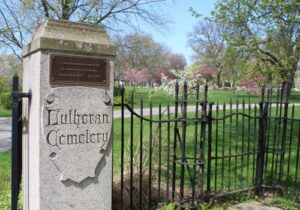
[5, 123]
[5, 134]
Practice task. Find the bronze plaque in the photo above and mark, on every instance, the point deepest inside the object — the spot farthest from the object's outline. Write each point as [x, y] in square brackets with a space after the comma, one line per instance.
[78, 70]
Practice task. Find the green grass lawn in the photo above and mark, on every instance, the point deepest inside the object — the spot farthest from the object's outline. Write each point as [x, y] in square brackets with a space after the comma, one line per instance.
[157, 96]
[5, 180]
[5, 113]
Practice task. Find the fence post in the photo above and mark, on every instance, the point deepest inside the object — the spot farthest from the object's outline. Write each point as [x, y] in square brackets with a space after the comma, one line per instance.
[263, 116]
[122, 144]
[16, 159]
[175, 141]
[201, 145]
[15, 187]
[209, 149]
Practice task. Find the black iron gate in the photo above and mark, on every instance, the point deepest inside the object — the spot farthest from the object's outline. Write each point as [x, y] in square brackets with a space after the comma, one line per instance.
[187, 154]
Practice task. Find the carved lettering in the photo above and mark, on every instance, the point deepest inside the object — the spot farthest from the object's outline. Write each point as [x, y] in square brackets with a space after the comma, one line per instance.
[56, 139]
[57, 117]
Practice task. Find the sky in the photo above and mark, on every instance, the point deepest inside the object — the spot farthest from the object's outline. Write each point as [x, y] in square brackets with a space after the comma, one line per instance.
[183, 23]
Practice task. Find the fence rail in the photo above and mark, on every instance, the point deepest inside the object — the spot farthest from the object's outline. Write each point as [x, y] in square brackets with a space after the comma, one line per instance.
[187, 158]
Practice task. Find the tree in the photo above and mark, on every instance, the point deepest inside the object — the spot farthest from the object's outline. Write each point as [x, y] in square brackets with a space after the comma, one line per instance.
[136, 77]
[18, 18]
[177, 62]
[207, 73]
[208, 42]
[160, 73]
[266, 30]
[9, 65]
[139, 51]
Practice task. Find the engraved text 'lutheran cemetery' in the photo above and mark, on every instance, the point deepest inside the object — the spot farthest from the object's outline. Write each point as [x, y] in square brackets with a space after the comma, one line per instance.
[73, 117]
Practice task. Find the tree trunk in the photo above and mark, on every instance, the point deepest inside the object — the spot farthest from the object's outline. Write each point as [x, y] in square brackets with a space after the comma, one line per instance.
[286, 89]
[219, 82]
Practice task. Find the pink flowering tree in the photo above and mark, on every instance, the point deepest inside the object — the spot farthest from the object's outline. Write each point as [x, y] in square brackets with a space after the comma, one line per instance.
[160, 73]
[206, 73]
[136, 77]
[250, 86]
[253, 85]
[3, 72]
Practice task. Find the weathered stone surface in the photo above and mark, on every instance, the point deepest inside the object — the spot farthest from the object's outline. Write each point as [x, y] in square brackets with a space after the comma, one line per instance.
[77, 123]
[60, 35]
[59, 174]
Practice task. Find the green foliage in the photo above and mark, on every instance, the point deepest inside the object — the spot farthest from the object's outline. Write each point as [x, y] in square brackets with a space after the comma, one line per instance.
[170, 207]
[5, 168]
[4, 86]
[265, 32]
[5, 113]
[5, 100]
[285, 203]
[5, 94]
[209, 207]
[201, 207]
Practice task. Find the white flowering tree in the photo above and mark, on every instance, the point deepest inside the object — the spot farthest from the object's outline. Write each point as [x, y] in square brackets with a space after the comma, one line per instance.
[168, 85]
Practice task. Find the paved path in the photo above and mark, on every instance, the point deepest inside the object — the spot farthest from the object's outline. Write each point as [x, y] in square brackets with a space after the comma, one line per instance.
[5, 123]
[253, 206]
[5, 134]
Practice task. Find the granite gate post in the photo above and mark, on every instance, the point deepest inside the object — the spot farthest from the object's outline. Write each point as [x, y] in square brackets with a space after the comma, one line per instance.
[68, 132]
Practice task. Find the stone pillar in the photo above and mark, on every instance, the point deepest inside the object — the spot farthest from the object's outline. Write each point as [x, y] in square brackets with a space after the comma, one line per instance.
[68, 129]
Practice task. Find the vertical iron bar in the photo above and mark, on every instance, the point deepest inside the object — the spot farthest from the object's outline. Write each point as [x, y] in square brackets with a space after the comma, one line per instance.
[195, 145]
[261, 147]
[269, 122]
[183, 151]
[150, 160]
[236, 143]
[141, 154]
[223, 145]
[279, 149]
[248, 145]
[243, 143]
[274, 139]
[159, 152]
[283, 143]
[168, 152]
[254, 145]
[15, 144]
[216, 147]
[209, 149]
[291, 137]
[131, 154]
[202, 142]
[122, 145]
[298, 154]
[230, 145]
[175, 141]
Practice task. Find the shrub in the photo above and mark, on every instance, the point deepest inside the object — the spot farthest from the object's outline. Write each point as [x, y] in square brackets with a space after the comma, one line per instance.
[117, 91]
[5, 100]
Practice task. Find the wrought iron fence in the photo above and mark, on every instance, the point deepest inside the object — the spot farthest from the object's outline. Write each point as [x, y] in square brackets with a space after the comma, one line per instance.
[188, 154]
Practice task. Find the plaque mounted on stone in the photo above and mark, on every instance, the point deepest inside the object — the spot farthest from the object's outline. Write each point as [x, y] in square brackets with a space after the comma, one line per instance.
[78, 70]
